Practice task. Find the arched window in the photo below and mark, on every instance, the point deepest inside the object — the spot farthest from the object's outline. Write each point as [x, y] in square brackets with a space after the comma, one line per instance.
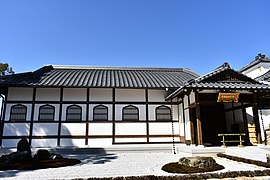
[100, 113]
[163, 113]
[130, 113]
[74, 113]
[18, 113]
[46, 113]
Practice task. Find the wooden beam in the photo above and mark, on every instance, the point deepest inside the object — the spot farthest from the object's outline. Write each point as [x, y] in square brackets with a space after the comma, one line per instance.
[256, 119]
[192, 132]
[32, 116]
[198, 119]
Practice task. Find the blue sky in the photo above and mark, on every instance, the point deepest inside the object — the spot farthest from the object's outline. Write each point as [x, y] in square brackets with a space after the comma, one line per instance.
[195, 34]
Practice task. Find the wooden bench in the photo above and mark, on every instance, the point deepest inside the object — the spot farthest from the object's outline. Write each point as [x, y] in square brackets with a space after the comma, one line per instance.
[232, 134]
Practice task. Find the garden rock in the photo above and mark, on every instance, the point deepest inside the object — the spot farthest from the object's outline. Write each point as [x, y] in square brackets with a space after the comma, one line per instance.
[42, 154]
[198, 161]
[6, 160]
[23, 145]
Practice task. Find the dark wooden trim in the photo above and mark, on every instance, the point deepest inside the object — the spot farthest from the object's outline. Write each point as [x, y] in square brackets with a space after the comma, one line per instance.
[87, 116]
[234, 121]
[256, 119]
[238, 107]
[192, 132]
[184, 118]
[32, 116]
[198, 117]
[3, 117]
[113, 116]
[244, 114]
[60, 115]
[147, 114]
[93, 102]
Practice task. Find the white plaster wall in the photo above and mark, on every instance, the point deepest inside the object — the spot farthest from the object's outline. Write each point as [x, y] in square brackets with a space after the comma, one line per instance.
[160, 128]
[181, 120]
[16, 129]
[130, 140]
[28, 113]
[91, 111]
[130, 128]
[44, 143]
[188, 132]
[257, 70]
[266, 121]
[72, 142]
[99, 142]
[100, 94]
[131, 95]
[43, 129]
[174, 110]
[185, 101]
[73, 129]
[48, 94]
[75, 94]
[186, 114]
[100, 129]
[20, 94]
[156, 95]
[192, 97]
[119, 108]
[176, 128]
[64, 111]
[8, 143]
[56, 111]
[164, 139]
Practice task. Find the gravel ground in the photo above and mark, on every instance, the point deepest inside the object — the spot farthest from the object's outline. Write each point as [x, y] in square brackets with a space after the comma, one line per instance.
[131, 164]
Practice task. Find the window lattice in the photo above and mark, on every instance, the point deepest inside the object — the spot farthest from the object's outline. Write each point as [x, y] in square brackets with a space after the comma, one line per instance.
[163, 113]
[46, 113]
[100, 113]
[18, 113]
[130, 113]
[74, 113]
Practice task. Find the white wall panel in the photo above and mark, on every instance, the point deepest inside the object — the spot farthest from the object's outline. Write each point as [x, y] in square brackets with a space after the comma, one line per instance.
[185, 101]
[75, 94]
[131, 95]
[192, 97]
[56, 112]
[91, 111]
[100, 94]
[72, 142]
[64, 111]
[130, 128]
[156, 95]
[188, 132]
[48, 94]
[99, 142]
[44, 143]
[164, 139]
[20, 94]
[100, 129]
[119, 108]
[73, 129]
[28, 113]
[129, 140]
[43, 129]
[160, 128]
[16, 129]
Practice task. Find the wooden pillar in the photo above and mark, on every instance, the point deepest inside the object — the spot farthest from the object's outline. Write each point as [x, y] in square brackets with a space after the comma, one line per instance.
[192, 133]
[147, 115]
[60, 117]
[87, 116]
[3, 117]
[256, 119]
[32, 116]
[184, 120]
[113, 116]
[198, 119]
[244, 114]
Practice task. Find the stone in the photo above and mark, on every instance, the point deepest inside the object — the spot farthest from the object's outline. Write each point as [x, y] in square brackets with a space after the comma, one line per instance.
[198, 161]
[42, 154]
[56, 156]
[19, 156]
[23, 145]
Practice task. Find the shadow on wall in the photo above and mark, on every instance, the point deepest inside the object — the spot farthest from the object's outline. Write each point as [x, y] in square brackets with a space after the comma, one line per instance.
[21, 130]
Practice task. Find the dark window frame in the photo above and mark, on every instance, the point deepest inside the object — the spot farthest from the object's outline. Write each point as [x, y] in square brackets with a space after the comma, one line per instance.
[162, 107]
[124, 114]
[95, 114]
[52, 114]
[12, 114]
[68, 113]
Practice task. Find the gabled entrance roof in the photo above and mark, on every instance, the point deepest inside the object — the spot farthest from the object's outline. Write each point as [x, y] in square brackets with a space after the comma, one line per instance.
[222, 78]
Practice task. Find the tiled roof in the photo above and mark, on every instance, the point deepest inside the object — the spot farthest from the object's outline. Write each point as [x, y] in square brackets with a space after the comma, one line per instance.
[259, 58]
[264, 77]
[223, 78]
[83, 76]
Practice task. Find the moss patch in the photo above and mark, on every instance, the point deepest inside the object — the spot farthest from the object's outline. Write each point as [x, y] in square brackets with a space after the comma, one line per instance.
[42, 164]
[178, 168]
